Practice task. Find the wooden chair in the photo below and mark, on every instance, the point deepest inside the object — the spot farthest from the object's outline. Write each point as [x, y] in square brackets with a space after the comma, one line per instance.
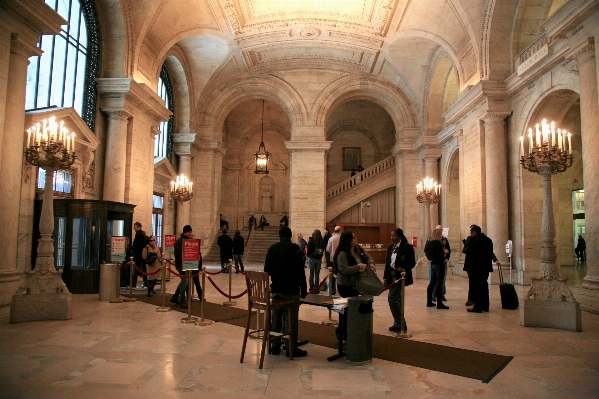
[258, 293]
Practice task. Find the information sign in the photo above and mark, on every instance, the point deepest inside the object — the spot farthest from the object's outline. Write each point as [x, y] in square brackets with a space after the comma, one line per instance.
[169, 243]
[191, 254]
[118, 249]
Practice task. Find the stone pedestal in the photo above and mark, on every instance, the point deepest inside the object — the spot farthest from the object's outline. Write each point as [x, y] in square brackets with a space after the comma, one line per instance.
[550, 314]
[29, 307]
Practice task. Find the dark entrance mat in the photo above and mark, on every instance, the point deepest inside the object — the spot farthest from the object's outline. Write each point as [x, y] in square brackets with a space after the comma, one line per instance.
[462, 362]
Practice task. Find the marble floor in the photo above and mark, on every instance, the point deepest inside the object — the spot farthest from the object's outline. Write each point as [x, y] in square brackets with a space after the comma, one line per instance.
[130, 350]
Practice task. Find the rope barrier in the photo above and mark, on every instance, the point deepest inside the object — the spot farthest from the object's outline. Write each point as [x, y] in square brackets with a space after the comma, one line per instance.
[391, 285]
[144, 273]
[125, 265]
[319, 285]
[218, 272]
[240, 271]
[221, 291]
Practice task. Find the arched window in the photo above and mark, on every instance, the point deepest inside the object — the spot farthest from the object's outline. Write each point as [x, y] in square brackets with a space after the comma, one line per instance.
[64, 76]
[163, 146]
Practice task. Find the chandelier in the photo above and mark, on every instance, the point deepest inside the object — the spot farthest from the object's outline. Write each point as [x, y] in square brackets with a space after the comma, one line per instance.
[181, 189]
[50, 145]
[550, 150]
[262, 155]
[428, 191]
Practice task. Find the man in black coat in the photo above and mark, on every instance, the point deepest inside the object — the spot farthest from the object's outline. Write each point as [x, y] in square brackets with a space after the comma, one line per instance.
[139, 242]
[478, 265]
[400, 258]
[285, 265]
[226, 249]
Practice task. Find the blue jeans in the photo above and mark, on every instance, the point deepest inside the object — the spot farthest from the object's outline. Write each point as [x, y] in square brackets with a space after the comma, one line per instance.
[238, 261]
[142, 266]
[314, 272]
[430, 273]
[182, 289]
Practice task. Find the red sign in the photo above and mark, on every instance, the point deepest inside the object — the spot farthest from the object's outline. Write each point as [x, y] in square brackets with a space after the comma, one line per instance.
[169, 243]
[191, 254]
[414, 242]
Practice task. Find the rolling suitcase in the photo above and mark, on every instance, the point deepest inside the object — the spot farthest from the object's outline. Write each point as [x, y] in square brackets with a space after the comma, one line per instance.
[509, 298]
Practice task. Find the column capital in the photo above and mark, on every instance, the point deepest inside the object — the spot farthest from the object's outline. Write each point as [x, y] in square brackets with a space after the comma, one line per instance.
[23, 47]
[308, 145]
[117, 114]
[401, 147]
[183, 142]
[494, 117]
[583, 51]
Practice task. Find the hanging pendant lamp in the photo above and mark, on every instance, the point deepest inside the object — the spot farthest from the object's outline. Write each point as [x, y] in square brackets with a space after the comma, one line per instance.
[262, 155]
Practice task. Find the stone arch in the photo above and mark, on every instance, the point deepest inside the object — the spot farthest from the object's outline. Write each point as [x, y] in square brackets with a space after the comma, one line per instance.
[114, 18]
[381, 92]
[221, 101]
[440, 68]
[178, 68]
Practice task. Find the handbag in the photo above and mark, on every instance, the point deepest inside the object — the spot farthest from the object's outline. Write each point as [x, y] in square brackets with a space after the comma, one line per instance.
[369, 283]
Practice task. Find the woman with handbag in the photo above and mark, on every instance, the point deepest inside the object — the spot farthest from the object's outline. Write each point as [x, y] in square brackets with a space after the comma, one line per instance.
[152, 255]
[349, 260]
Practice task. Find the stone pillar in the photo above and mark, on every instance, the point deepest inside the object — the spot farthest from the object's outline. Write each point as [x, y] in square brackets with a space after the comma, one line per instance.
[183, 142]
[11, 165]
[307, 182]
[116, 156]
[458, 269]
[496, 184]
[588, 293]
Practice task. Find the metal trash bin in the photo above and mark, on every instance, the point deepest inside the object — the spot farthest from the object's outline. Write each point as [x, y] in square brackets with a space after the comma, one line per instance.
[109, 281]
[358, 348]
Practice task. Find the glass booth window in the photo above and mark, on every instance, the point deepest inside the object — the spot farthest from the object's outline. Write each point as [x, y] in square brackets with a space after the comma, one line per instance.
[85, 248]
[63, 182]
[59, 236]
[157, 209]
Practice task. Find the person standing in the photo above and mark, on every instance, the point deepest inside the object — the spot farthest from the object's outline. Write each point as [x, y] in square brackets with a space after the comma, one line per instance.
[400, 258]
[226, 249]
[238, 249]
[152, 257]
[478, 265]
[447, 250]
[326, 237]
[581, 248]
[316, 249]
[435, 254]
[303, 245]
[181, 292]
[284, 264]
[139, 242]
[252, 222]
[331, 247]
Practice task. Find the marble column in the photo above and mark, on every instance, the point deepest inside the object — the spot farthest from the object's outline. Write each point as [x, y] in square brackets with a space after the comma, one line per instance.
[11, 165]
[588, 293]
[115, 165]
[307, 185]
[496, 184]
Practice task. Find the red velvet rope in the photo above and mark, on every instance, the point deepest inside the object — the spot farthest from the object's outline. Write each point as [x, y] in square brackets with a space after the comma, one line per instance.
[240, 271]
[218, 272]
[319, 285]
[181, 275]
[125, 265]
[144, 273]
[221, 291]
[391, 285]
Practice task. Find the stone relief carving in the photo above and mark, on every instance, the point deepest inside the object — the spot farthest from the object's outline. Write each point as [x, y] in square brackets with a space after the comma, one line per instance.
[87, 160]
[309, 32]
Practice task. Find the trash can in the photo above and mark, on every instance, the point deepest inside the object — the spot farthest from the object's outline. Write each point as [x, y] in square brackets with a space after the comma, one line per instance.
[109, 281]
[358, 347]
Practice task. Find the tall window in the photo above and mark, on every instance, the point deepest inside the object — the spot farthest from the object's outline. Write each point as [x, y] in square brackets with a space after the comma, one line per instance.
[163, 146]
[63, 183]
[64, 76]
[157, 207]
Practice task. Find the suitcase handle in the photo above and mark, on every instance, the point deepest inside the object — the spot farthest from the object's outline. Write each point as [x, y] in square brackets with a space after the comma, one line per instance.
[500, 274]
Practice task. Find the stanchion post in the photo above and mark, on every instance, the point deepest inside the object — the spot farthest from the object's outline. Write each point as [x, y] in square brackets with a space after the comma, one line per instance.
[403, 333]
[118, 284]
[330, 321]
[230, 302]
[189, 319]
[163, 308]
[202, 321]
[130, 298]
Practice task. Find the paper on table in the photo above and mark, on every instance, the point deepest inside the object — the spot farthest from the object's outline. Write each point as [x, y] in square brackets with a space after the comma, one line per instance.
[339, 305]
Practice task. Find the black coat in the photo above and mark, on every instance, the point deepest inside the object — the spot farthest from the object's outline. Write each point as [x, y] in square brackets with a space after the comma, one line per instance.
[434, 252]
[226, 248]
[139, 243]
[238, 245]
[405, 259]
[179, 252]
[479, 257]
[285, 265]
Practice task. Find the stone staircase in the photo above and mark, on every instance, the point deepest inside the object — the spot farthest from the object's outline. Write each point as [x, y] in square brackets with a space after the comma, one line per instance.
[349, 192]
[255, 247]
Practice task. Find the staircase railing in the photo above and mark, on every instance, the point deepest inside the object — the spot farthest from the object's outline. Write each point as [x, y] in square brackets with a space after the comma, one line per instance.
[366, 174]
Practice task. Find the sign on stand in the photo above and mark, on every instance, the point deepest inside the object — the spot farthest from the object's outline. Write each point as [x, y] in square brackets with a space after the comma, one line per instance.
[169, 243]
[191, 254]
[118, 248]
